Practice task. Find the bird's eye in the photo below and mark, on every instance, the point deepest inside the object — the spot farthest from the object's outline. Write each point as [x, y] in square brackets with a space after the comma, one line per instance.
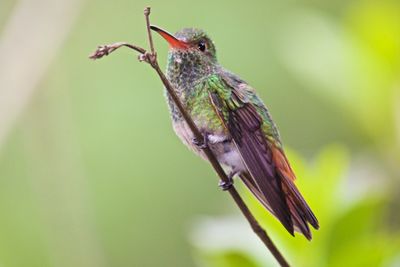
[202, 46]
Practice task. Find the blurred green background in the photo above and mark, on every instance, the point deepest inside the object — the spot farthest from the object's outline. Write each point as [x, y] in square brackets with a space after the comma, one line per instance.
[91, 173]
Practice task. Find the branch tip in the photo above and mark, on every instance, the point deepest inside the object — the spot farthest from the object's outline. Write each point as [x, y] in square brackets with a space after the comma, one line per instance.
[147, 11]
[147, 18]
[105, 50]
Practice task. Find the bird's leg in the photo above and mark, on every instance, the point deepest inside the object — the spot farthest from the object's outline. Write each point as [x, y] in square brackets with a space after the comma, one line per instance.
[227, 185]
[201, 144]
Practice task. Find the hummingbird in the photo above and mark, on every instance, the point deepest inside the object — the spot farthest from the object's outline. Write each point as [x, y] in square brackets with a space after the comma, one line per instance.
[236, 126]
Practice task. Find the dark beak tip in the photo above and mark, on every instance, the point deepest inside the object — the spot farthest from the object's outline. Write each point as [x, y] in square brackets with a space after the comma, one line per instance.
[154, 28]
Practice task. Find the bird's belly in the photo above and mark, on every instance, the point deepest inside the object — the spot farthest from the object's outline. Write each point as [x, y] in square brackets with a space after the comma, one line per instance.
[233, 160]
[221, 145]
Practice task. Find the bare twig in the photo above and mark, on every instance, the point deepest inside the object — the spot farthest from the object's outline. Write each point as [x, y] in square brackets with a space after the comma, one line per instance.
[105, 50]
[147, 15]
[151, 58]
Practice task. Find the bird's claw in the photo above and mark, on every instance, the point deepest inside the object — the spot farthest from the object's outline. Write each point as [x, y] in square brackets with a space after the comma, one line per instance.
[226, 185]
[200, 144]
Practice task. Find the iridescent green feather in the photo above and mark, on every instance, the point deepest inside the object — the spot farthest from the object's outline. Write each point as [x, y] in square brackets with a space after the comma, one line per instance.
[199, 104]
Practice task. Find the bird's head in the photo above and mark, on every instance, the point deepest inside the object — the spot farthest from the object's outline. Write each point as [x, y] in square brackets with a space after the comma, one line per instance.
[190, 44]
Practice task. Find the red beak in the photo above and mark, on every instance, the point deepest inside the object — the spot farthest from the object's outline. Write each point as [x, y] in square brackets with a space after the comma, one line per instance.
[173, 42]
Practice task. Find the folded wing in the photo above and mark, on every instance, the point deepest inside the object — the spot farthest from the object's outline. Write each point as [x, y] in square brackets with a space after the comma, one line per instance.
[269, 176]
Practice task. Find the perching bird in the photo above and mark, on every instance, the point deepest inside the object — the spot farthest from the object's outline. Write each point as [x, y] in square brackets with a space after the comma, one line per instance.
[236, 126]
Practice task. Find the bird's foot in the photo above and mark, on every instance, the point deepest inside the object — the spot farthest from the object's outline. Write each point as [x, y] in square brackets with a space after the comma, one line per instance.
[228, 185]
[201, 144]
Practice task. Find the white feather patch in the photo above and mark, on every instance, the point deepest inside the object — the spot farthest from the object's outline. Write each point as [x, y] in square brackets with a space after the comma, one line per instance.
[215, 138]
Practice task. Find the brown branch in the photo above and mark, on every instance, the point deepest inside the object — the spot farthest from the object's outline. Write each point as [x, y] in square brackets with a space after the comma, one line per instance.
[151, 58]
[105, 50]
[149, 35]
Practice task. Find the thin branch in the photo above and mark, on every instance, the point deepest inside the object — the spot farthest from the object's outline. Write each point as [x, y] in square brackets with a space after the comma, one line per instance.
[105, 50]
[151, 58]
[147, 16]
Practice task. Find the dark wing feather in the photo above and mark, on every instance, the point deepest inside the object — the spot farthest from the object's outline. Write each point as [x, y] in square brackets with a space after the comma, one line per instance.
[270, 177]
[244, 125]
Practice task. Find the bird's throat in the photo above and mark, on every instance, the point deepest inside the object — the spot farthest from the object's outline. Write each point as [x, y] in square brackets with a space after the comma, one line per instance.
[185, 69]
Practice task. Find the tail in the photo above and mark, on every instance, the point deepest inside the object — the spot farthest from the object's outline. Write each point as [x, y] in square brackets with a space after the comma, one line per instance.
[300, 213]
